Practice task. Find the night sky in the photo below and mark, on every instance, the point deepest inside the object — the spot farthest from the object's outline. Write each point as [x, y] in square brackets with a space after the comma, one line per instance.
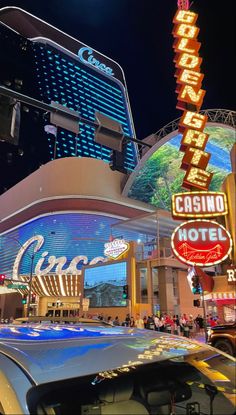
[137, 34]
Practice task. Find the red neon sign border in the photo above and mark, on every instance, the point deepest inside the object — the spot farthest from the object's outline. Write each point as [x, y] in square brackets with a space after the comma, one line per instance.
[182, 259]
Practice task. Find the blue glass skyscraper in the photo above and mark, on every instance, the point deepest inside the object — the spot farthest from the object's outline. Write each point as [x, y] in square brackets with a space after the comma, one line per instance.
[70, 73]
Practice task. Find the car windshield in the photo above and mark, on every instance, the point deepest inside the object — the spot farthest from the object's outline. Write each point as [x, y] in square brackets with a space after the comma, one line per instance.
[201, 383]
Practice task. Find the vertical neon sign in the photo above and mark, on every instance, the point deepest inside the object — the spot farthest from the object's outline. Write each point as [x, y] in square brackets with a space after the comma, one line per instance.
[190, 98]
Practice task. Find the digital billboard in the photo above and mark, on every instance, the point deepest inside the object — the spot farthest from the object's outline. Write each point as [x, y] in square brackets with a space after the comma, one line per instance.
[103, 284]
[60, 243]
[159, 177]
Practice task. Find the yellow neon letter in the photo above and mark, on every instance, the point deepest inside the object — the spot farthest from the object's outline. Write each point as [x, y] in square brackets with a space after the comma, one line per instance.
[198, 177]
[195, 138]
[191, 77]
[193, 119]
[185, 16]
[197, 156]
[186, 30]
[182, 46]
[189, 92]
[188, 61]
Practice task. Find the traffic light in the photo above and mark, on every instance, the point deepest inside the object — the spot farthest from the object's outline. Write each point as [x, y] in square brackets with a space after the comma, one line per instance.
[24, 299]
[33, 298]
[2, 279]
[117, 160]
[125, 292]
[196, 303]
[196, 285]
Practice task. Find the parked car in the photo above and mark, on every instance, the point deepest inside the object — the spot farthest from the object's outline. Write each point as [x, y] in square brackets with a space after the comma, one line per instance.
[223, 337]
[88, 370]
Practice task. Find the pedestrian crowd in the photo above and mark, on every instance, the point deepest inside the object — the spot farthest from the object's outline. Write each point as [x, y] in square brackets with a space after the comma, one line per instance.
[174, 324]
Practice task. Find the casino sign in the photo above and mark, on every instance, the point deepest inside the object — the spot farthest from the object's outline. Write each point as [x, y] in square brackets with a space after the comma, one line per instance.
[201, 242]
[199, 204]
[116, 248]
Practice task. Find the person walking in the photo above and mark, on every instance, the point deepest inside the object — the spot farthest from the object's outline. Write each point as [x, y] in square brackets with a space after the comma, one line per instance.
[109, 320]
[127, 320]
[162, 323]
[182, 322]
[150, 323]
[176, 324]
[139, 324]
[132, 322]
[145, 321]
[169, 323]
[199, 323]
[116, 322]
[191, 325]
[157, 323]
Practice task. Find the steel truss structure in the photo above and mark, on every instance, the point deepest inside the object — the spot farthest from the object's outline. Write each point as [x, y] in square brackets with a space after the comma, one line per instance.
[220, 116]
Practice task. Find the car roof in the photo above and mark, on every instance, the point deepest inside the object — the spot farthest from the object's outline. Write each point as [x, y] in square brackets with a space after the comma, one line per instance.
[56, 352]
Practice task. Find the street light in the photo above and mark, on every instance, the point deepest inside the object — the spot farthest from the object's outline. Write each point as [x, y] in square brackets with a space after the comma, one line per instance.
[29, 282]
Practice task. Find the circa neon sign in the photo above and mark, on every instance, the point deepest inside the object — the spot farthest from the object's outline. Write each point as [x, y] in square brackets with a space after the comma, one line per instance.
[58, 263]
[86, 56]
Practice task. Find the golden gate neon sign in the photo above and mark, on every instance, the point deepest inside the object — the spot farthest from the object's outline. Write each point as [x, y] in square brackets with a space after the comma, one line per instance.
[190, 98]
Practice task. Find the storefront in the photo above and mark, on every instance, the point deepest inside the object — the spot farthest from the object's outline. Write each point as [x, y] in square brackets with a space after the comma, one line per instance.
[221, 302]
[54, 230]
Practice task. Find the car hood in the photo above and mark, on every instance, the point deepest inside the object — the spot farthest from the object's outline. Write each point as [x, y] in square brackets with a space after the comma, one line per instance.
[49, 353]
[224, 327]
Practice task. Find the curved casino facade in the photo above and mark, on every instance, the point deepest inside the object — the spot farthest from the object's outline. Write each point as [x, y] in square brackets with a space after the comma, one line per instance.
[56, 221]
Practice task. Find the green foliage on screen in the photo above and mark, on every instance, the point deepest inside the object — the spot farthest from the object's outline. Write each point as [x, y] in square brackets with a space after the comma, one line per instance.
[161, 176]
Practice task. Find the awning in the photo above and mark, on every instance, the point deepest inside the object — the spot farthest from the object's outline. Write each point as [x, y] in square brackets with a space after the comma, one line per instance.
[5, 290]
[155, 224]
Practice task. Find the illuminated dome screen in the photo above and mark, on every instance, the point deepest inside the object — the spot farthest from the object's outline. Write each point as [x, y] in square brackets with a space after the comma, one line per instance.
[160, 176]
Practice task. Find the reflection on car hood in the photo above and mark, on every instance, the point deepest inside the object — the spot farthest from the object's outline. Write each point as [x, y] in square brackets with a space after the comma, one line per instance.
[54, 352]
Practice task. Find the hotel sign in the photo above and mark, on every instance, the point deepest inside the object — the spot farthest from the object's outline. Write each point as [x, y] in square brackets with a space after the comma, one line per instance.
[116, 248]
[199, 204]
[190, 98]
[201, 242]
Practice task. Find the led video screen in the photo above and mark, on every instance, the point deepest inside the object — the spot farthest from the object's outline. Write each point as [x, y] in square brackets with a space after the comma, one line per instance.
[160, 176]
[103, 284]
